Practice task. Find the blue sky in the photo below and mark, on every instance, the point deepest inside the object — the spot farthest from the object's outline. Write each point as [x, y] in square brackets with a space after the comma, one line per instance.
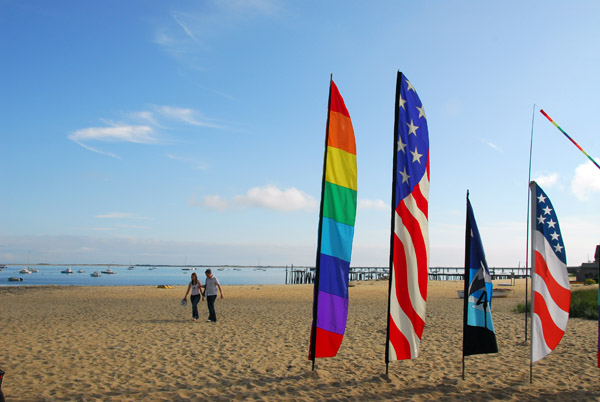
[192, 131]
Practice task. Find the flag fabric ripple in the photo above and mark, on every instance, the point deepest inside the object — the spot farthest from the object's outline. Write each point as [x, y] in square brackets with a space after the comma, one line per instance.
[478, 334]
[338, 212]
[550, 289]
[409, 255]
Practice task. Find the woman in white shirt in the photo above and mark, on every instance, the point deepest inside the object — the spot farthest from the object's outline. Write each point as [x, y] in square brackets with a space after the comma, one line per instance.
[196, 287]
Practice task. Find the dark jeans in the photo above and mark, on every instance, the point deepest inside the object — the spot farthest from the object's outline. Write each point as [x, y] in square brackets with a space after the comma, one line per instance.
[210, 302]
[195, 299]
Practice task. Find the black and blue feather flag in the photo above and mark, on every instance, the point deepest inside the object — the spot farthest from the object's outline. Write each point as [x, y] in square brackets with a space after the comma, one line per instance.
[478, 335]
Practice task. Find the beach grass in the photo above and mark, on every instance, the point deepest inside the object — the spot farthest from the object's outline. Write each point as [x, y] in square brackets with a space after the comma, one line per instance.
[520, 308]
[584, 304]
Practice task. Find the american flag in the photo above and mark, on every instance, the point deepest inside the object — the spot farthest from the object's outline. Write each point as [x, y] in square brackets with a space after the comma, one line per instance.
[409, 254]
[550, 289]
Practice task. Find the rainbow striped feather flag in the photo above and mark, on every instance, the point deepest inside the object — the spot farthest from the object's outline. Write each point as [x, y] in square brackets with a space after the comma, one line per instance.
[336, 231]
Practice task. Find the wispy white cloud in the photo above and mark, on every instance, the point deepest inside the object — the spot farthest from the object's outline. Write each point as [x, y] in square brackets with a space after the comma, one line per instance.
[586, 181]
[98, 248]
[267, 197]
[122, 133]
[185, 28]
[145, 116]
[115, 133]
[134, 227]
[271, 197]
[96, 150]
[379, 205]
[121, 215]
[547, 181]
[194, 163]
[491, 145]
[188, 33]
[157, 119]
[186, 115]
[215, 202]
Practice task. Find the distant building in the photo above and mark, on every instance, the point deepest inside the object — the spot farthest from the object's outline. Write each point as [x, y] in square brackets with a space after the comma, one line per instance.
[589, 269]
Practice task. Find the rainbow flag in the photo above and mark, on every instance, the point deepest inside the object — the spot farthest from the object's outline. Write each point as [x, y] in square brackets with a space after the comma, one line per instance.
[336, 231]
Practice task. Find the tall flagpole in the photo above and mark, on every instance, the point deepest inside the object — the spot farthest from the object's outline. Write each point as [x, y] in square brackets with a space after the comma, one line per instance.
[393, 216]
[533, 214]
[313, 335]
[467, 275]
[527, 236]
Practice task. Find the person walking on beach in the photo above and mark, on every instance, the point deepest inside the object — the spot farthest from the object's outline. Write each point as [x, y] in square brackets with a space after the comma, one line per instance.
[196, 287]
[210, 292]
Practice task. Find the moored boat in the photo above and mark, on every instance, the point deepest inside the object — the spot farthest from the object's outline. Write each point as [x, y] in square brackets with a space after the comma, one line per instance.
[108, 271]
[67, 271]
[96, 274]
[15, 279]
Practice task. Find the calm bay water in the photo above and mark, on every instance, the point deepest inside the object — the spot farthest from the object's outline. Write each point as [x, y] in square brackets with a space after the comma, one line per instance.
[51, 275]
[160, 275]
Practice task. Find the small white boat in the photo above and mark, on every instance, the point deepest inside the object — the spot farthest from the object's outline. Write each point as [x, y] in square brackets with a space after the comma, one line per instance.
[32, 270]
[108, 271]
[67, 271]
[81, 271]
[15, 279]
[96, 274]
[24, 271]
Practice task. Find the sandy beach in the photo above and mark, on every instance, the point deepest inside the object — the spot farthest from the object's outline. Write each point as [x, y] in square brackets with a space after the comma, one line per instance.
[139, 343]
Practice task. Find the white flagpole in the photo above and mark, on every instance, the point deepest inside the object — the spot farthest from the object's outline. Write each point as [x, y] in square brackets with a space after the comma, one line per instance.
[532, 188]
[527, 236]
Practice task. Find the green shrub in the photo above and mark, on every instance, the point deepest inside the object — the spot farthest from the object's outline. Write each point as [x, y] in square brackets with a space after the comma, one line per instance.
[584, 304]
[520, 308]
[589, 281]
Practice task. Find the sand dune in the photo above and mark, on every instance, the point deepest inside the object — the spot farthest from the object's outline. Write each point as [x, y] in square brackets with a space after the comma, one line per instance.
[138, 343]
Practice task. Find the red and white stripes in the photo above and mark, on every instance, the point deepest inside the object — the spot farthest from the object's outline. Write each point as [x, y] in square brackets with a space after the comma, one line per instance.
[551, 297]
[550, 289]
[408, 294]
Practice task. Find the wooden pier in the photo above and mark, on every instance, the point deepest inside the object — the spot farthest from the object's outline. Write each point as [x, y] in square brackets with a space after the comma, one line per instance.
[295, 276]
[457, 273]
